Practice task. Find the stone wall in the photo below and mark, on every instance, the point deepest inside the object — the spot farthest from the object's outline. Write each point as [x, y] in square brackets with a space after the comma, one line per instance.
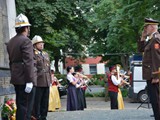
[7, 21]
[4, 33]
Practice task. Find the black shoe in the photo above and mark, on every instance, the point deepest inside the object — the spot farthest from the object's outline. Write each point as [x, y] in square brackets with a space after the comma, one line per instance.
[151, 115]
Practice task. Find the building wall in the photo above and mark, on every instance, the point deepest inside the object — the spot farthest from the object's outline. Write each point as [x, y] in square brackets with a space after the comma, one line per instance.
[87, 64]
[86, 70]
[100, 68]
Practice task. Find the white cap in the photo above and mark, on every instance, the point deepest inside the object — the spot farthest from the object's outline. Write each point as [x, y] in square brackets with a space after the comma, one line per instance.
[36, 39]
[21, 21]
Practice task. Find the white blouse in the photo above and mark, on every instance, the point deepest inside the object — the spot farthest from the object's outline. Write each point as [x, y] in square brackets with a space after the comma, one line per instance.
[115, 80]
[70, 77]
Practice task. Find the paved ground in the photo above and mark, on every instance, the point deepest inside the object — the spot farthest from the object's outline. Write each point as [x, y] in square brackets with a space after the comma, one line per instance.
[98, 109]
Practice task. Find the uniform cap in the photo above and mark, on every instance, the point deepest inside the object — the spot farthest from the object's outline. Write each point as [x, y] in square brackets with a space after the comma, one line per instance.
[112, 68]
[150, 21]
[21, 21]
[36, 39]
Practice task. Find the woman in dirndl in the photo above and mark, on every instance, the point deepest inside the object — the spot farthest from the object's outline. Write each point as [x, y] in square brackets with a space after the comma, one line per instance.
[79, 91]
[72, 100]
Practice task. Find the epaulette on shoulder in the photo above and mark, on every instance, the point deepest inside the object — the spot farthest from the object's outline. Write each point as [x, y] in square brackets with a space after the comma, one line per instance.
[43, 52]
[157, 36]
[35, 51]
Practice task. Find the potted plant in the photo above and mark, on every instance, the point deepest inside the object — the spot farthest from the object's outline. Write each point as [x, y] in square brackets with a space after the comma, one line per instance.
[8, 109]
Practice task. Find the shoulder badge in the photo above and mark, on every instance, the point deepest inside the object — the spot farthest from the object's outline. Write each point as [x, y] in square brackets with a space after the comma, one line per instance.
[156, 46]
[157, 37]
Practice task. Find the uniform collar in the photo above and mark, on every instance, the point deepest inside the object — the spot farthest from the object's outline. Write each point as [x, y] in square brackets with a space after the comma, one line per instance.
[151, 36]
[39, 52]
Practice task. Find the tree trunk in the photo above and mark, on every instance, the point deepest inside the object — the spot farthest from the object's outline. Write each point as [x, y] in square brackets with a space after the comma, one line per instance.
[64, 62]
[125, 61]
[56, 58]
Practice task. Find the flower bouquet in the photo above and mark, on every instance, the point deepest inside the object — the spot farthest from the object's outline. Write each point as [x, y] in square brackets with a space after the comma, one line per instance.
[8, 109]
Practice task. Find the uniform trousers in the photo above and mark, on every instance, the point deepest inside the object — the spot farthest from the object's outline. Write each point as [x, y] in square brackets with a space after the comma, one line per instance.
[114, 100]
[153, 91]
[41, 103]
[24, 102]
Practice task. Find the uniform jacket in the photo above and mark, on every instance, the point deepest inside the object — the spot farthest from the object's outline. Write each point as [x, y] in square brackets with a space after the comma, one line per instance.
[43, 68]
[151, 57]
[20, 50]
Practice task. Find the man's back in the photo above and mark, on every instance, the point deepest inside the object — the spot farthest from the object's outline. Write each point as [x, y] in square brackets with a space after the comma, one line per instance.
[20, 52]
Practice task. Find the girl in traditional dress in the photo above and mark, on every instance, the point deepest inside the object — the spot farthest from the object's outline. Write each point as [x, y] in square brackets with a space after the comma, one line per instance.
[54, 99]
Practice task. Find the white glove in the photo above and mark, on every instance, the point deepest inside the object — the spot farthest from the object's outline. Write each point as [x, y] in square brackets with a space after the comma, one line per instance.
[29, 87]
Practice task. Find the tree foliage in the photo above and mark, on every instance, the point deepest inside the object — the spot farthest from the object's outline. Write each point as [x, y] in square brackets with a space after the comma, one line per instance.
[100, 26]
[119, 25]
[61, 23]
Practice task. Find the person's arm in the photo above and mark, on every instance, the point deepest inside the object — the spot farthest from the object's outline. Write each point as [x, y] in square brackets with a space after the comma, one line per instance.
[141, 42]
[57, 82]
[71, 79]
[155, 53]
[115, 80]
[27, 56]
[80, 84]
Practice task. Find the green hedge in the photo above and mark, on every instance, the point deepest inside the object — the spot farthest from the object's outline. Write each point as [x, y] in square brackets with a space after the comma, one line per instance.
[95, 80]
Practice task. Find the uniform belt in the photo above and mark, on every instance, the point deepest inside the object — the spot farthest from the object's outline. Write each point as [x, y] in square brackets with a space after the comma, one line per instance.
[17, 62]
[44, 70]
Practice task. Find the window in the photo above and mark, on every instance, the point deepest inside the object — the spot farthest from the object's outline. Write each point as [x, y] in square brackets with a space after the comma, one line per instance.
[93, 69]
[106, 69]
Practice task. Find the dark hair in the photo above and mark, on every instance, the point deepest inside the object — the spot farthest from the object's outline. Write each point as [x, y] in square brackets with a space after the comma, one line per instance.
[20, 29]
[69, 68]
[74, 73]
[78, 68]
[52, 71]
[111, 68]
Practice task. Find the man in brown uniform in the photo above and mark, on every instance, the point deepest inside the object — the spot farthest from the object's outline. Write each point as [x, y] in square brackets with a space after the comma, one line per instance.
[23, 74]
[150, 45]
[43, 79]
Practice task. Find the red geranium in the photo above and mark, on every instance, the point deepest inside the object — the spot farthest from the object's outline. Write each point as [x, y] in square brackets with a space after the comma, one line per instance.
[8, 109]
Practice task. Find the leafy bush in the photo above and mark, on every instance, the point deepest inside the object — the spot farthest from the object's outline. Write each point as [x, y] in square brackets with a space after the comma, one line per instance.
[62, 76]
[98, 80]
[124, 92]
